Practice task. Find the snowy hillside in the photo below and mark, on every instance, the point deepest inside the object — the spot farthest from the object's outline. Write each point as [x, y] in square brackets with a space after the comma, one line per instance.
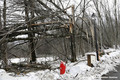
[75, 71]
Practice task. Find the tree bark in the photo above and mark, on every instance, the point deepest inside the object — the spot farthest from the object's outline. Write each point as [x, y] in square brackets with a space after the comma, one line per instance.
[81, 40]
[72, 38]
[4, 45]
[31, 41]
[33, 54]
[4, 13]
[0, 20]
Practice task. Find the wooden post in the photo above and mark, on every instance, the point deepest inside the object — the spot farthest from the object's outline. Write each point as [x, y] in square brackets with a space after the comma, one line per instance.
[90, 59]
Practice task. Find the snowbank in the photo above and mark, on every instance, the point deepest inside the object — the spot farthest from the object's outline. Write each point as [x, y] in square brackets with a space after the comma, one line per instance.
[74, 71]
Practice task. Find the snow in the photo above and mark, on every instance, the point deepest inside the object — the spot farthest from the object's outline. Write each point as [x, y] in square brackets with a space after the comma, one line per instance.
[74, 71]
[109, 50]
[91, 53]
[22, 36]
[51, 32]
[17, 60]
[78, 68]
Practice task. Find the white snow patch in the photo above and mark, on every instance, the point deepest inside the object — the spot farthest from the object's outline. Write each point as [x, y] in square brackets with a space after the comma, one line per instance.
[22, 36]
[17, 60]
[74, 71]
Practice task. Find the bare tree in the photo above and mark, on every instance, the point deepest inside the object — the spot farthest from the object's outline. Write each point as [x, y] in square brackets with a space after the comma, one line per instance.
[27, 18]
[4, 45]
[4, 13]
[0, 20]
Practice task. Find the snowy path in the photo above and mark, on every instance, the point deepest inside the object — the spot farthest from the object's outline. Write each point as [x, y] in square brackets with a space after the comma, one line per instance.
[113, 75]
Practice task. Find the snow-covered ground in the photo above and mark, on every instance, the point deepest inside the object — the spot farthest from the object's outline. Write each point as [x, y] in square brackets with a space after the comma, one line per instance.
[74, 71]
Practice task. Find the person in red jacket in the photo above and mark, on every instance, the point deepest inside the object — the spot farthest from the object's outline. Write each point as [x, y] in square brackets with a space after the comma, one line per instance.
[62, 67]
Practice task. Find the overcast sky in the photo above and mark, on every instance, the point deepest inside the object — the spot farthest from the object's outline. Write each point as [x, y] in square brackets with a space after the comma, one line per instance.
[89, 10]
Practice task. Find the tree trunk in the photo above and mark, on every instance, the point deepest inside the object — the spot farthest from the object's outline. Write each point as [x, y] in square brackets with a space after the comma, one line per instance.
[33, 55]
[81, 40]
[4, 45]
[116, 25]
[0, 20]
[31, 41]
[72, 38]
[4, 13]
[4, 54]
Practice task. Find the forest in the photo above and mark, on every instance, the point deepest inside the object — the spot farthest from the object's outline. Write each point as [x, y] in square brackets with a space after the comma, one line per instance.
[62, 29]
